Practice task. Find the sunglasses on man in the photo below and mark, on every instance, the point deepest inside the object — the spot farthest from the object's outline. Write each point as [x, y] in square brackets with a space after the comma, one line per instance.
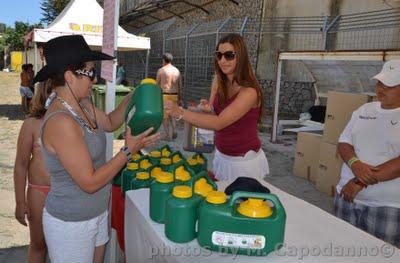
[228, 55]
[91, 74]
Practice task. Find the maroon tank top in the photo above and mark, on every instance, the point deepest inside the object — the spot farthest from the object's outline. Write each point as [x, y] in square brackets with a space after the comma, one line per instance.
[241, 136]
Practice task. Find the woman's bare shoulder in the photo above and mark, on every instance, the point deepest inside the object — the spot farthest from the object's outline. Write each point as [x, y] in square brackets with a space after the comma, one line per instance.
[247, 91]
[29, 123]
[61, 123]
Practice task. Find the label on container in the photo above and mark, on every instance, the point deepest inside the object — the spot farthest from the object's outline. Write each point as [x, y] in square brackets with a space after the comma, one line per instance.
[238, 240]
[130, 114]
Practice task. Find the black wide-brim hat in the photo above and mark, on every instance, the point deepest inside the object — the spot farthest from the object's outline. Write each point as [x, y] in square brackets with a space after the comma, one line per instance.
[247, 184]
[65, 51]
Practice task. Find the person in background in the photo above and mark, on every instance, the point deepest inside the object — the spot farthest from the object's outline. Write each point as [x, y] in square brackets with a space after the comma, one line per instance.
[75, 217]
[233, 112]
[121, 74]
[24, 89]
[170, 80]
[368, 193]
[31, 76]
[30, 167]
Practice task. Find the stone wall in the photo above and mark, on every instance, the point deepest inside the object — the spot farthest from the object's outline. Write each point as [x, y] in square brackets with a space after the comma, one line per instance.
[295, 97]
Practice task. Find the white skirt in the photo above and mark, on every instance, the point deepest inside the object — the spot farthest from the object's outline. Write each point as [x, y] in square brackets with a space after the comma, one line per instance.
[228, 168]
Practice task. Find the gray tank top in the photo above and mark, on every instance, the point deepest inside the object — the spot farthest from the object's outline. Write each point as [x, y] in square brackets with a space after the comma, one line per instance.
[66, 200]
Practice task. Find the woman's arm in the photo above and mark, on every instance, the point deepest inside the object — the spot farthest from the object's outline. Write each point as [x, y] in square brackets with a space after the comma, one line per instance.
[206, 106]
[24, 151]
[214, 90]
[113, 120]
[244, 101]
[63, 136]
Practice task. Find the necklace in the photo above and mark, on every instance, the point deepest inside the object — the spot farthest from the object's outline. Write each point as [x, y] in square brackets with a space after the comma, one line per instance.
[87, 125]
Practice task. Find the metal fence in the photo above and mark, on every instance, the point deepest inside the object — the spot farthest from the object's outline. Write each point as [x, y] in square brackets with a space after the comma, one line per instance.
[193, 46]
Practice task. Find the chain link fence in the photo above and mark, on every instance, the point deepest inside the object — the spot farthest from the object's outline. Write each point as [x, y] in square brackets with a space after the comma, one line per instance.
[193, 49]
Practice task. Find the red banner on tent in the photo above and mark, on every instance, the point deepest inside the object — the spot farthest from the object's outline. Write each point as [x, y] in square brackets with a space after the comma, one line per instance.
[109, 31]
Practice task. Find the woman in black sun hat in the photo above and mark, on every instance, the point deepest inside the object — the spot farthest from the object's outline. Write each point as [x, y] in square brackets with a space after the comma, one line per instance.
[75, 217]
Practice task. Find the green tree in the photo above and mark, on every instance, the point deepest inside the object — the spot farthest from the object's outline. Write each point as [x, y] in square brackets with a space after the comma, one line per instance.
[2, 28]
[14, 37]
[51, 9]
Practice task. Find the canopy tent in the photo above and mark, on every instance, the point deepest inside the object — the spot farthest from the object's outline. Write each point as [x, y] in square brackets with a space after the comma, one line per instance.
[85, 17]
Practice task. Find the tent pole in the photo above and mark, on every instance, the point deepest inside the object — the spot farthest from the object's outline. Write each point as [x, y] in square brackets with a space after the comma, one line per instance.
[112, 251]
[35, 60]
[146, 70]
[276, 104]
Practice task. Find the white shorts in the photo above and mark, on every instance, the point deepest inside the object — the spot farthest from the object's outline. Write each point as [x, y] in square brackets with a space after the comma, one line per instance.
[228, 168]
[25, 92]
[74, 241]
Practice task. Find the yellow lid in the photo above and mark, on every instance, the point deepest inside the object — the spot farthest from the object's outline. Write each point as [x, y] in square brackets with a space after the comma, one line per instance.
[165, 178]
[180, 169]
[201, 188]
[165, 152]
[156, 171]
[182, 191]
[155, 154]
[165, 161]
[216, 197]
[176, 158]
[136, 156]
[148, 81]
[182, 176]
[132, 166]
[142, 176]
[192, 161]
[255, 208]
[144, 164]
[199, 159]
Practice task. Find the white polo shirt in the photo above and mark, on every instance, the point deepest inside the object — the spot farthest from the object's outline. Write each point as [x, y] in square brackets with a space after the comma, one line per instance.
[375, 135]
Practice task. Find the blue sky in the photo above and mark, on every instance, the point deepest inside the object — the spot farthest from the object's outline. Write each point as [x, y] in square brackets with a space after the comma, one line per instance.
[20, 10]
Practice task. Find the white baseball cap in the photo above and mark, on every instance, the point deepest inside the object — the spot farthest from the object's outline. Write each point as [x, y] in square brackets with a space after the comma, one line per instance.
[390, 74]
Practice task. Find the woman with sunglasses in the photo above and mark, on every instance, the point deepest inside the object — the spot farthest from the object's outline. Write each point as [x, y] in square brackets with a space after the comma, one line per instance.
[75, 217]
[233, 112]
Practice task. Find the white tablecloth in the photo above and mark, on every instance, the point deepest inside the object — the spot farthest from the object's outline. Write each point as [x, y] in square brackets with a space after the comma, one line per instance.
[312, 235]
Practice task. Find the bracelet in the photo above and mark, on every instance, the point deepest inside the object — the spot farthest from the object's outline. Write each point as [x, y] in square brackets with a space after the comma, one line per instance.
[180, 115]
[352, 161]
[127, 152]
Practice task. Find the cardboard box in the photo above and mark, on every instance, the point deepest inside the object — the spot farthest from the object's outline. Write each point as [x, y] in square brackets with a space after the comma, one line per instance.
[329, 168]
[307, 155]
[340, 107]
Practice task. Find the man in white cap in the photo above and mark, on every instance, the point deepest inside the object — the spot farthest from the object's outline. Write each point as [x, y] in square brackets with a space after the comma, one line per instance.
[368, 193]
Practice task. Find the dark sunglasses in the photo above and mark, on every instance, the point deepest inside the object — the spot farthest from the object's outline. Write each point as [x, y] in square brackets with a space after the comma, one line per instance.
[91, 74]
[229, 55]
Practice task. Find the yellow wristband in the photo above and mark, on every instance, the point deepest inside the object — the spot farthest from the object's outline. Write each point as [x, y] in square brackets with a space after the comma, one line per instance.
[352, 161]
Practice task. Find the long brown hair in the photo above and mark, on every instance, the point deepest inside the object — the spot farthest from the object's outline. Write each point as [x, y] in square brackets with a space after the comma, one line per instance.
[37, 109]
[244, 74]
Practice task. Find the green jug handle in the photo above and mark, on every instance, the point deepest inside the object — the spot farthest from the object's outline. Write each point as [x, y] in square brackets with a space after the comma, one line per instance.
[270, 197]
[132, 102]
[202, 174]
